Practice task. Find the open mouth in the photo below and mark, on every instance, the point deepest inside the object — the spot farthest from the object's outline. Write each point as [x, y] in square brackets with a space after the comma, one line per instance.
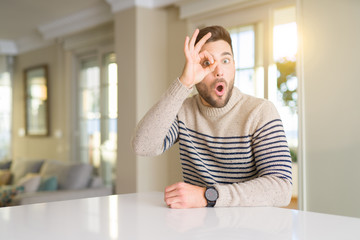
[220, 89]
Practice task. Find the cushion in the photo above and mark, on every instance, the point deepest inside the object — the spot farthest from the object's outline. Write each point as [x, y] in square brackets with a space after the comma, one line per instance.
[96, 182]
[5, 165]
[5, 176]
[78, 176]
[69, 175]
[52, 168]
[30, 182]
[7, 193]
[20, 168]
[48, 184]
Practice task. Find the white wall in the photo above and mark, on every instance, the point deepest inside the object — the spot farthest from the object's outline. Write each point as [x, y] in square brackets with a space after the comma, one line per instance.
[125, 49]
[141, 47]
[151, 77]
[176, 32]
[331, 50]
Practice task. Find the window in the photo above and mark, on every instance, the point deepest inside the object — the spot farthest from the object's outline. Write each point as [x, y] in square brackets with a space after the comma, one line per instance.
[249, 77]
[98, 112]
[5, 108]
[281, 81]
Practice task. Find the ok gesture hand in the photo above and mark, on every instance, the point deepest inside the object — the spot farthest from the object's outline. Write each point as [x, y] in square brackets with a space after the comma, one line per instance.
[198, 64]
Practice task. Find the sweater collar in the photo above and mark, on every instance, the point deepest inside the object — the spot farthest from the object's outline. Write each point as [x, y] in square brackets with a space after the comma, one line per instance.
[212, 111]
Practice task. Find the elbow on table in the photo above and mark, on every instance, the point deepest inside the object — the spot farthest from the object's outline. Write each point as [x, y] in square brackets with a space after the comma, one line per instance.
[286, 195]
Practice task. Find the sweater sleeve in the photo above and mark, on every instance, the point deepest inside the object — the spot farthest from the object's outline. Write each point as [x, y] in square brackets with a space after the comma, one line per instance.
[158, 129]
[273, 184]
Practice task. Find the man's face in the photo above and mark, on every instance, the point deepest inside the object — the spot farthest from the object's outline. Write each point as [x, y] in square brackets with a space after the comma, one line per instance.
[216, 88]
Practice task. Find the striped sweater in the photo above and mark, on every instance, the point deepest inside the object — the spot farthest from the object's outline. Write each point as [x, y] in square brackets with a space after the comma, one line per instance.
[240, 149]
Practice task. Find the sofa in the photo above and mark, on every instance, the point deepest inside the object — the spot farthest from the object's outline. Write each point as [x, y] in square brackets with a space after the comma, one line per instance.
[37, 181]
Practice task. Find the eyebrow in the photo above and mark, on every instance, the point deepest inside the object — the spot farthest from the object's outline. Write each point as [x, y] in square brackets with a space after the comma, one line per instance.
[226, 53]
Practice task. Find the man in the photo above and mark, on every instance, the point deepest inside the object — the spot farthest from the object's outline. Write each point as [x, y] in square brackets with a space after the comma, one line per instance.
[233, 147]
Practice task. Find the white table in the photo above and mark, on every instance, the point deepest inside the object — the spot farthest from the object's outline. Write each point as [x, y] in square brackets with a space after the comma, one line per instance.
[145, 216]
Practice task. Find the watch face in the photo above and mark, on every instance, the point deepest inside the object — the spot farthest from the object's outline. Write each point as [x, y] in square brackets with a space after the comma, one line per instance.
[211, 194]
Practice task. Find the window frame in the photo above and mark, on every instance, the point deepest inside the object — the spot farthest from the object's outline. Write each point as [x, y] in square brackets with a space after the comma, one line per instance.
[99, 54]
[258, 67]
[8, 69]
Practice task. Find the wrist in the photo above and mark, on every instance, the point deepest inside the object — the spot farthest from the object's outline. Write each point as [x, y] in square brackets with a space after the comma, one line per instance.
[203, 199]
[186, 82]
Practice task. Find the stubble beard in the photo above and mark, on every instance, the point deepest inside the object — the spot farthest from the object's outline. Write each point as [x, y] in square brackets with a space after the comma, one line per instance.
[206, 93]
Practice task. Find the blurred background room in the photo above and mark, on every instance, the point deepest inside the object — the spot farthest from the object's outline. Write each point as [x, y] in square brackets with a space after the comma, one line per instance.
[77, 75]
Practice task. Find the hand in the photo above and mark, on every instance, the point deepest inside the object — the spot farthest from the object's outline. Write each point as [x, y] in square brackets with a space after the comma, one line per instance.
[198, 64]
[184, 195]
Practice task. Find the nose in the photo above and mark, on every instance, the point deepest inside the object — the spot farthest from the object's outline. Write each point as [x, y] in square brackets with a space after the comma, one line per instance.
[219, 71]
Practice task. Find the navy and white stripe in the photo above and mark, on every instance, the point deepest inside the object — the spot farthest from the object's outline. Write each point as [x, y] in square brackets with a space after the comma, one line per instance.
[172, 135]
[207, 160]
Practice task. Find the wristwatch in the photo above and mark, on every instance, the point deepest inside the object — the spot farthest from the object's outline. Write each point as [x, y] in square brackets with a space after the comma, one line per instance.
[211, 195]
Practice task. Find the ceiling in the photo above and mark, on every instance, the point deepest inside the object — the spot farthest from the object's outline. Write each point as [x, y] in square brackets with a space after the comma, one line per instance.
[20, 18]
[29, 24]
[23, 22]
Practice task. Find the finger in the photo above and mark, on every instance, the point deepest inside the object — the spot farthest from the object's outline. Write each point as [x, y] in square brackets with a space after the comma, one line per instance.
[171, 191]
[176, 205]
[171, 201]
[176, 201]
[202, 41]
[206, 55]
[193, 39]
[170, 194]
[186, 47]
[171, 188]
[172, 198]
[213, 66]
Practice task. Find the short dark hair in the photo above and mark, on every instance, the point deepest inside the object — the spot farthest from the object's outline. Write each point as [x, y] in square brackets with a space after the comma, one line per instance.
[217, 33]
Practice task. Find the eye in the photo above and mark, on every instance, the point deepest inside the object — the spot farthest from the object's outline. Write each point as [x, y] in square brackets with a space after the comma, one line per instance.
[206, 63]
[226, 60]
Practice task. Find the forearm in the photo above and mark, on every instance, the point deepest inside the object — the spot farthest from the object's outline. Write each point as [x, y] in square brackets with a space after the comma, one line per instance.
[262, 191]
[151, 131]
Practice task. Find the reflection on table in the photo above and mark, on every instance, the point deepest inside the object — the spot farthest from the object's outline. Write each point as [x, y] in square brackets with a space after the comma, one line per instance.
[145, 216]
